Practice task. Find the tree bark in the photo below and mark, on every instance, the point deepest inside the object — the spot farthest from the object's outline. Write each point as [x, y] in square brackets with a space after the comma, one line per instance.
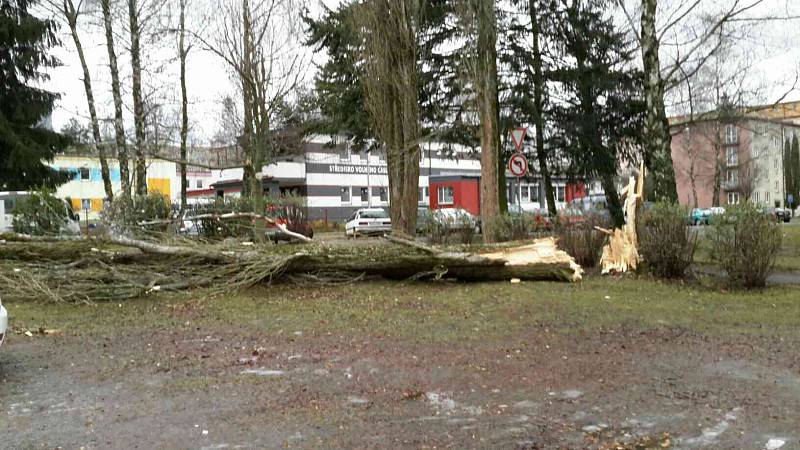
[391, 91]
[658, 148]
[409, 90]
[119, 126]
[538, 120]
[138, 102]
[486, 69]
[182, 53]
[71, 15]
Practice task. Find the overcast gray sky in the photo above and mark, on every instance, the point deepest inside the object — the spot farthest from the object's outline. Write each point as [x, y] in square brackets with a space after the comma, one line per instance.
[775, 46]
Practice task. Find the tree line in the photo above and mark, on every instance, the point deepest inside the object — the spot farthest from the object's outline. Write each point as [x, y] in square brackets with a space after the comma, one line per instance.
[588, 78]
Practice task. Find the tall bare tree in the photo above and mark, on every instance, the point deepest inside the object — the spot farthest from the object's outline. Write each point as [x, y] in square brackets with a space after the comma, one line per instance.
[119, 126]
[658, 157]
[138, 99]
[390, 30]
[258, 41]
[538, 93]
[661, 76]
[183, 52]
[70, 13]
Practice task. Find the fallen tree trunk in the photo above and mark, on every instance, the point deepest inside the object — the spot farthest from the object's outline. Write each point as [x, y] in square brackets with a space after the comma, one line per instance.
[93, 277]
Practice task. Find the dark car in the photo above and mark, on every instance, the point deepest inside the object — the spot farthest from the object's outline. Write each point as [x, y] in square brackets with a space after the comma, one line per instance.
[783, 215]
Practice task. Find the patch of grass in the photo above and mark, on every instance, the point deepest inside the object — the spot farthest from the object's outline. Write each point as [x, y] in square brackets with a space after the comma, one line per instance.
[451, 312]
[442, 312]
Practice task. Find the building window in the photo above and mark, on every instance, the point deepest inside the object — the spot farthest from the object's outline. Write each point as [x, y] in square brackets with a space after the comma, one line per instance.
[526, 196]
[345, 152]
[84, 174]
[775, 163]
[86, 204]
[364, 195]
[534, 190]
[423, 194]
[733, 176]
[199, 184]
[757, 197]
[384, 193]
[766, 196]
[733, 198]
[445, 195]
[731, 134]
[345, 195]
[732, 156]
[561, 193]
[776, 186]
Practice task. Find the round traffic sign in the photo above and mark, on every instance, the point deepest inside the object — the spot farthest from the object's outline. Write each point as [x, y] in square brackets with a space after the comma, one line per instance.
[518, 165]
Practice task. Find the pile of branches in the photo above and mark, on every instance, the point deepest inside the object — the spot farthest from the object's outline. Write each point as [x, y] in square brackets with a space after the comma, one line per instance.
[78, 270]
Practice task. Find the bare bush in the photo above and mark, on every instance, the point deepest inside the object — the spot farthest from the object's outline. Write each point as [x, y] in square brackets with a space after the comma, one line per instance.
[745, 242]
[666, 241]
[581, 240]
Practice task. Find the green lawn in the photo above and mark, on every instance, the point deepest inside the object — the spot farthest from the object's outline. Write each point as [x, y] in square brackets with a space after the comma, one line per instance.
[438, 311]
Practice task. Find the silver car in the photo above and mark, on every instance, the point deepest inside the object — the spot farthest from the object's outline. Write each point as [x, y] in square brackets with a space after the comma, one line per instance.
[3, 323]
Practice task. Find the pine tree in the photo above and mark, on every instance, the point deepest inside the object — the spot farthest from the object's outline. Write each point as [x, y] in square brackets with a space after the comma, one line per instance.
[794, 164]
[339, 90]
[25, 145]
[601, 116]
[787, 166]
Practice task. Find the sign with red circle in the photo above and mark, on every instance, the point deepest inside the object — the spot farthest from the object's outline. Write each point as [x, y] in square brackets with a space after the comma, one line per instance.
[518, 165]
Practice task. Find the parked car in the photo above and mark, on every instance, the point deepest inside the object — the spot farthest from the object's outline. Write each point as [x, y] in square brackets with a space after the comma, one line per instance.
[700, 216]
[3, 323]
[424, 218]
[9, 200]
[771, 213]
[703, 216]
[456, 218]
[295, 220]
[188, 227]
[783, 215]
[571, 216]
[367, 221]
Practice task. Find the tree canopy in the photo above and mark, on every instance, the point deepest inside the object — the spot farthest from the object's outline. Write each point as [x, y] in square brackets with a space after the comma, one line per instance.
[25, 144]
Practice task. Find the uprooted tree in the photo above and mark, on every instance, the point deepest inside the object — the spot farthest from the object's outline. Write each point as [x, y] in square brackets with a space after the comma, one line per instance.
[116, 268]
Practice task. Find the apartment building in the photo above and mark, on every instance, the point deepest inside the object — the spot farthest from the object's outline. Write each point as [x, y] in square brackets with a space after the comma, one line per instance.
[726, 162]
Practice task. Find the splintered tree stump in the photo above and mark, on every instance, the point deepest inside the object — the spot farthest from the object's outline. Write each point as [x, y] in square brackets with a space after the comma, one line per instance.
[621, 254]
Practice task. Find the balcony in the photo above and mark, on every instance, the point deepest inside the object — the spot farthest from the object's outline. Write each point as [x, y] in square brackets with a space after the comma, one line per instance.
[730, 185]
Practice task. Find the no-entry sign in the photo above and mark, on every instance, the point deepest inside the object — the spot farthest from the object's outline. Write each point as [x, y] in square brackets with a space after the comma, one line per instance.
[518, 165]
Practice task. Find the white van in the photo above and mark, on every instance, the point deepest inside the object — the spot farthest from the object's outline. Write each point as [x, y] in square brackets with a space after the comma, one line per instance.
[9, 200]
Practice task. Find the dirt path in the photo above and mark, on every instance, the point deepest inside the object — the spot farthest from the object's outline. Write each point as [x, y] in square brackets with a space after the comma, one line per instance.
[204, 387]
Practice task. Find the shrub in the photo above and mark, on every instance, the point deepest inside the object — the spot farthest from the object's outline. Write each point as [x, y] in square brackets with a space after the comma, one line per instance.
[129, 213]
[666, 242]
[437, 231]
[745, 241]
[581, 240]
[40, 213]
[514, 227]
